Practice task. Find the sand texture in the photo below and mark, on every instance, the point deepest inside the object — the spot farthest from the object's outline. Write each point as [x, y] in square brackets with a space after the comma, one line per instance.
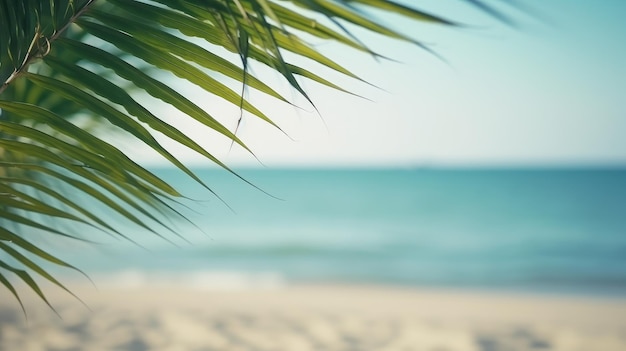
[302, 318]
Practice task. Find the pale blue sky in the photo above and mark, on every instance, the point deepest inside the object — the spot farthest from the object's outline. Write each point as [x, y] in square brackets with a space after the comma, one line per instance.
[550, 91]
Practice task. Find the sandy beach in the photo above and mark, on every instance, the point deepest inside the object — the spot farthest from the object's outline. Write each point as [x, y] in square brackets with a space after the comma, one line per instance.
[301, 318]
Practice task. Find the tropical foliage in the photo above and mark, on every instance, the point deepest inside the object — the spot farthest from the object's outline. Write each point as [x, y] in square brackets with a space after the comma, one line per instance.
[73, 71]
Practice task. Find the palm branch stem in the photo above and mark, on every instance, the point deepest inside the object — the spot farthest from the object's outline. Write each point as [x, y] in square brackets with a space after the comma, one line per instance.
[28, 59]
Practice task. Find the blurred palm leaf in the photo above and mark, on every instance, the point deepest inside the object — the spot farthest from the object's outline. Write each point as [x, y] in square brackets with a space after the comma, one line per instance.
[70, 68]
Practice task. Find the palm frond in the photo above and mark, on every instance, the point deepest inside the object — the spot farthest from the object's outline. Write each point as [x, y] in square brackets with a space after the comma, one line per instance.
[66, 61]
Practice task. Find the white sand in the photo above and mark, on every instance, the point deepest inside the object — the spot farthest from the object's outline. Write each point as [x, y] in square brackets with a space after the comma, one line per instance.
[304, 318]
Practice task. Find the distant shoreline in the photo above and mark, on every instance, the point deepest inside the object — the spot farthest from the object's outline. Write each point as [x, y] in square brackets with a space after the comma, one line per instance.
[418, 167]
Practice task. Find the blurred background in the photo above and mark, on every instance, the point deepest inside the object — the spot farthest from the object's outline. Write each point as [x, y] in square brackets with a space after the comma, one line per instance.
[469, 198]
[499, 165]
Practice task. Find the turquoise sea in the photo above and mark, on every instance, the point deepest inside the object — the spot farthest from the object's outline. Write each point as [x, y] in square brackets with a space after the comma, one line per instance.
[525, 230]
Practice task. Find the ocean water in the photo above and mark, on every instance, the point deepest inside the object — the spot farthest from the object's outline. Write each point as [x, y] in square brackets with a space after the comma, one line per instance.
[524, 230]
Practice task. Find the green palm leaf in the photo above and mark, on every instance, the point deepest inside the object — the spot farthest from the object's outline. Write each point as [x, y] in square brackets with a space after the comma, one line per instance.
[66, 61]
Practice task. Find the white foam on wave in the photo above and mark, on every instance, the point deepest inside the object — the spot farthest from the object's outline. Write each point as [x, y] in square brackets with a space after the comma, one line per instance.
[197, 280]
